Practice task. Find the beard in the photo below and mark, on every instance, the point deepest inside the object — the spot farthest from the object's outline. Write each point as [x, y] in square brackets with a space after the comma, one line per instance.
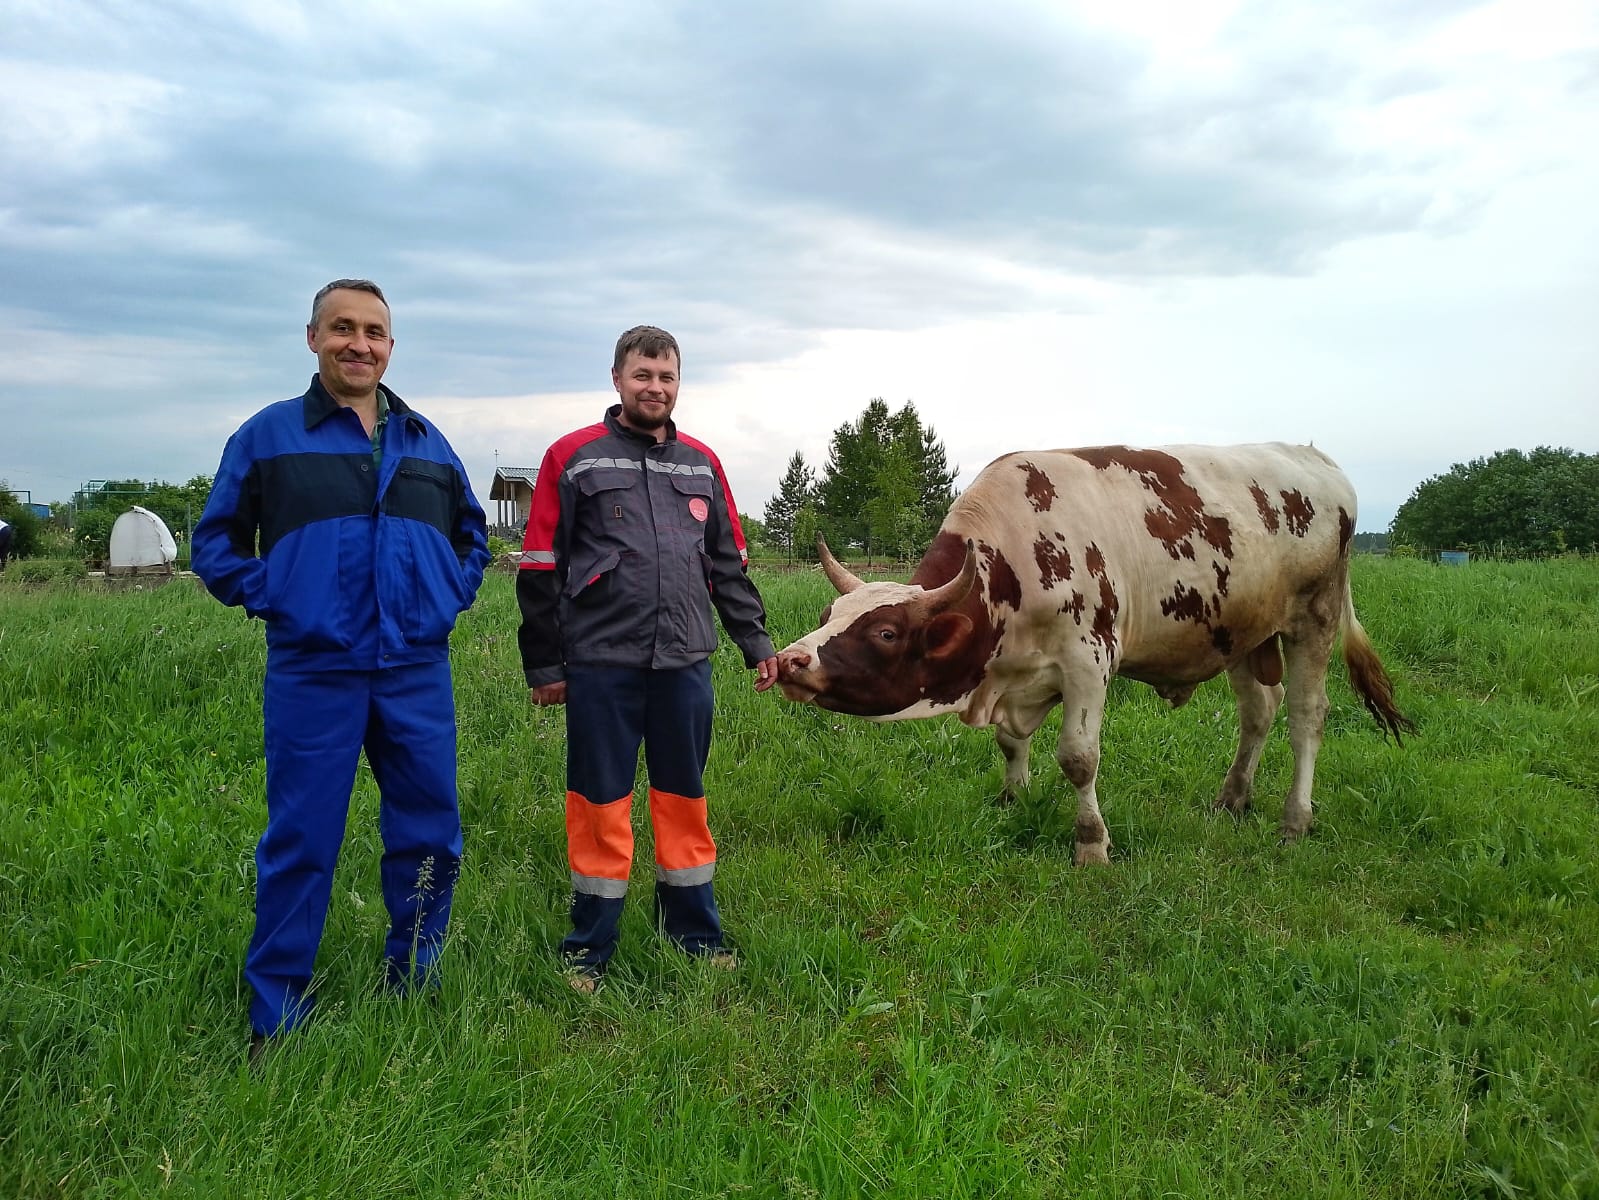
[648, 420]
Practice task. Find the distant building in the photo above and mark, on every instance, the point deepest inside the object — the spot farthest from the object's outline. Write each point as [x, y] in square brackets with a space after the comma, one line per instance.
[513, 494]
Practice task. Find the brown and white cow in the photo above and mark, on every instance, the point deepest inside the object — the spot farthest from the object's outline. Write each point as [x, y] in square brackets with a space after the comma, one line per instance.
[1058, 569]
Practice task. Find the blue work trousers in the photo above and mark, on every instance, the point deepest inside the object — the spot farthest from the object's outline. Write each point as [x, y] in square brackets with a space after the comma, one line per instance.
[316, 725]
[609, 712]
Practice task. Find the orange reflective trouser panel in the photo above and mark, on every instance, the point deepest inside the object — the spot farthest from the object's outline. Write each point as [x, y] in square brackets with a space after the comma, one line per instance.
[610, 711]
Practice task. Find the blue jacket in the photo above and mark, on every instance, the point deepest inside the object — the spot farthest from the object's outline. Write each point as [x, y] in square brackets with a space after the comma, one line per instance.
[351, 567]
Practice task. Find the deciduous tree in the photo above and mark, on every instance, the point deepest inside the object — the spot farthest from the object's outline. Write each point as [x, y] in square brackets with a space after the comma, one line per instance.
[1512, 503]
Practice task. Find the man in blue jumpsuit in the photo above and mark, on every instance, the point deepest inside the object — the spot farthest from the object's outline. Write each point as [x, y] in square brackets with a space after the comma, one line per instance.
[345, 522]
[632, 539]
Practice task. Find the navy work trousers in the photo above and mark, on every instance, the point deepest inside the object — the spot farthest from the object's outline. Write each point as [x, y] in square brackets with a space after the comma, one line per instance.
[609, 712]
[317, 723]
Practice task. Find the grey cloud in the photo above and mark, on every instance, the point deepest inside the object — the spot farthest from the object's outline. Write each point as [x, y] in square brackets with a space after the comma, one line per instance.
[527, 181]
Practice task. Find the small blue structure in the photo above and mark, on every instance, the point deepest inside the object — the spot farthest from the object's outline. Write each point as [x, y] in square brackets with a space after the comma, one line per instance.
[1454, 558]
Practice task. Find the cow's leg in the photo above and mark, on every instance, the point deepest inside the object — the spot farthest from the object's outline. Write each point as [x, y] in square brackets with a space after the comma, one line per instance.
[1257, 709]
[1014, 747]
[1078, 754]
[1306, 660]
[1014, 733]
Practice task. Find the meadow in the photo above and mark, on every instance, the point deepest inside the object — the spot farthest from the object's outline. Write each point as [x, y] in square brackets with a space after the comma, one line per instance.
[933, 1001]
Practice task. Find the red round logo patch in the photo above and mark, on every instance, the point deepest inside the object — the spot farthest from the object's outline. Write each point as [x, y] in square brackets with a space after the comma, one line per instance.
[698, 508]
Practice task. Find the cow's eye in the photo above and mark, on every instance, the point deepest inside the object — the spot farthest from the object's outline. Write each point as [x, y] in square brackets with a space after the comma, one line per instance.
[887, 635]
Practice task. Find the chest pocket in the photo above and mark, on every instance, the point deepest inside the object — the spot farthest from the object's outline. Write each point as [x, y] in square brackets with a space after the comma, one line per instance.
[423, 491]
[693, 496]
[607, 488]
[612, 516]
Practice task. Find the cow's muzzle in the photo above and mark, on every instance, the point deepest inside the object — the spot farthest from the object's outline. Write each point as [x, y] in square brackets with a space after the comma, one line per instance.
[795, 677]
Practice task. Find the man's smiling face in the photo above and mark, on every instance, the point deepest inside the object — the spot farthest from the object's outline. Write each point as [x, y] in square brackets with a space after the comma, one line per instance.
[352, 344]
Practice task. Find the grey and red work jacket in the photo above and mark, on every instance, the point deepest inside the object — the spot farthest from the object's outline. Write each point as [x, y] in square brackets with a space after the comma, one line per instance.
[630, 543]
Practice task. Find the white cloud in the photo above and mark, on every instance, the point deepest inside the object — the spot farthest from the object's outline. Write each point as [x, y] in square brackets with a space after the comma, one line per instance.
[60, 121]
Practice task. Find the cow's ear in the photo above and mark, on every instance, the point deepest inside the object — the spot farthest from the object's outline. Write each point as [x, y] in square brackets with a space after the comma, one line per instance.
[946, 633]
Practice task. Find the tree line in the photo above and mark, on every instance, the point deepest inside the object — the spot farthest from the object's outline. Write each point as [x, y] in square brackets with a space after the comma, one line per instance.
[884, 489]
[1511, 504]
[887, 484]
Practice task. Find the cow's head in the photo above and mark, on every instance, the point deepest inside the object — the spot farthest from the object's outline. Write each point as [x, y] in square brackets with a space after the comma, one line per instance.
[891, 650]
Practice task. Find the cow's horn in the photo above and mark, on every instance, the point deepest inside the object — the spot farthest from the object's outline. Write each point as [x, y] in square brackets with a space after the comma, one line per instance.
[948, 595]
[837, 575]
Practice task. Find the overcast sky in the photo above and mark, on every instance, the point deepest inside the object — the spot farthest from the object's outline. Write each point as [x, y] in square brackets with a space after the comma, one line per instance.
[1372, 226]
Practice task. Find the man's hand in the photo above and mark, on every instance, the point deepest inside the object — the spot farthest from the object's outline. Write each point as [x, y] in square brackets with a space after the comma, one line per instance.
[765, 673]
[553, 693]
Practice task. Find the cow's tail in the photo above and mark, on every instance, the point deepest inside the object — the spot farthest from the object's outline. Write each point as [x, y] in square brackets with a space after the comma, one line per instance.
[1368, 676]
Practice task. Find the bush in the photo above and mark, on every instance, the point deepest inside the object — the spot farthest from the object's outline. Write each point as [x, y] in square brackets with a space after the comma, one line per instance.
[44, 570]
[25, 525]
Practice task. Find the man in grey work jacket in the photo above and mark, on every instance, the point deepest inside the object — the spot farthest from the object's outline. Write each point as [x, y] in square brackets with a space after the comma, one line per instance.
[344, 520]
[632, 539]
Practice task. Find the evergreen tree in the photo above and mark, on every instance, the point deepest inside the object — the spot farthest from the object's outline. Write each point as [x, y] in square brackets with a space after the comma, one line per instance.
[795, 490]
[887, 483]
[849, 479]
[936, 482]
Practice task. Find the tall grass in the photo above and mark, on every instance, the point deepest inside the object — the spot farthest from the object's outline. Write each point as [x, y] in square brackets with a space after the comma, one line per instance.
[933, 1001]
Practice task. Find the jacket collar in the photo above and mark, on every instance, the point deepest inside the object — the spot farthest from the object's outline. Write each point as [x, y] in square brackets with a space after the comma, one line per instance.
[320, 405]
[613, 422]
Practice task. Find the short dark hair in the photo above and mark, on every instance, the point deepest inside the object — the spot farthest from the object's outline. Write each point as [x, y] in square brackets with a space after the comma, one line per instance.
[648, 341]
[351, 285]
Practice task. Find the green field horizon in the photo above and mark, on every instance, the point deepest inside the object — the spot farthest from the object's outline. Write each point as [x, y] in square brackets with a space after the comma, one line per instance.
[932, 1001]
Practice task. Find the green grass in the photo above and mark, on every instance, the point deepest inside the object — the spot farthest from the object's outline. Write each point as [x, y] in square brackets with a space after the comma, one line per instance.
[934, 1002]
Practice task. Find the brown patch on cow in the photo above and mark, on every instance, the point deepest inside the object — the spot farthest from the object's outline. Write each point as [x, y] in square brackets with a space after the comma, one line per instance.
[1080, 767]
[1090, 832]
[1189, 604]
[1181, 515]
[942, 562]
[1040, 488]
[1299, 511]
[1269, 516]
[1054, 561]
[1003, 586]
[1075, 607]
[1346, 530]
[1105, 621]
[1185, 604]
[1104, 627]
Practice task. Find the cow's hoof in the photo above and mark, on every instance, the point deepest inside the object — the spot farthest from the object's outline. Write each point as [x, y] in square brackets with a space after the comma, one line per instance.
[1287, 835]
[1091, 855]
[1238, 808]
[1005, 798]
